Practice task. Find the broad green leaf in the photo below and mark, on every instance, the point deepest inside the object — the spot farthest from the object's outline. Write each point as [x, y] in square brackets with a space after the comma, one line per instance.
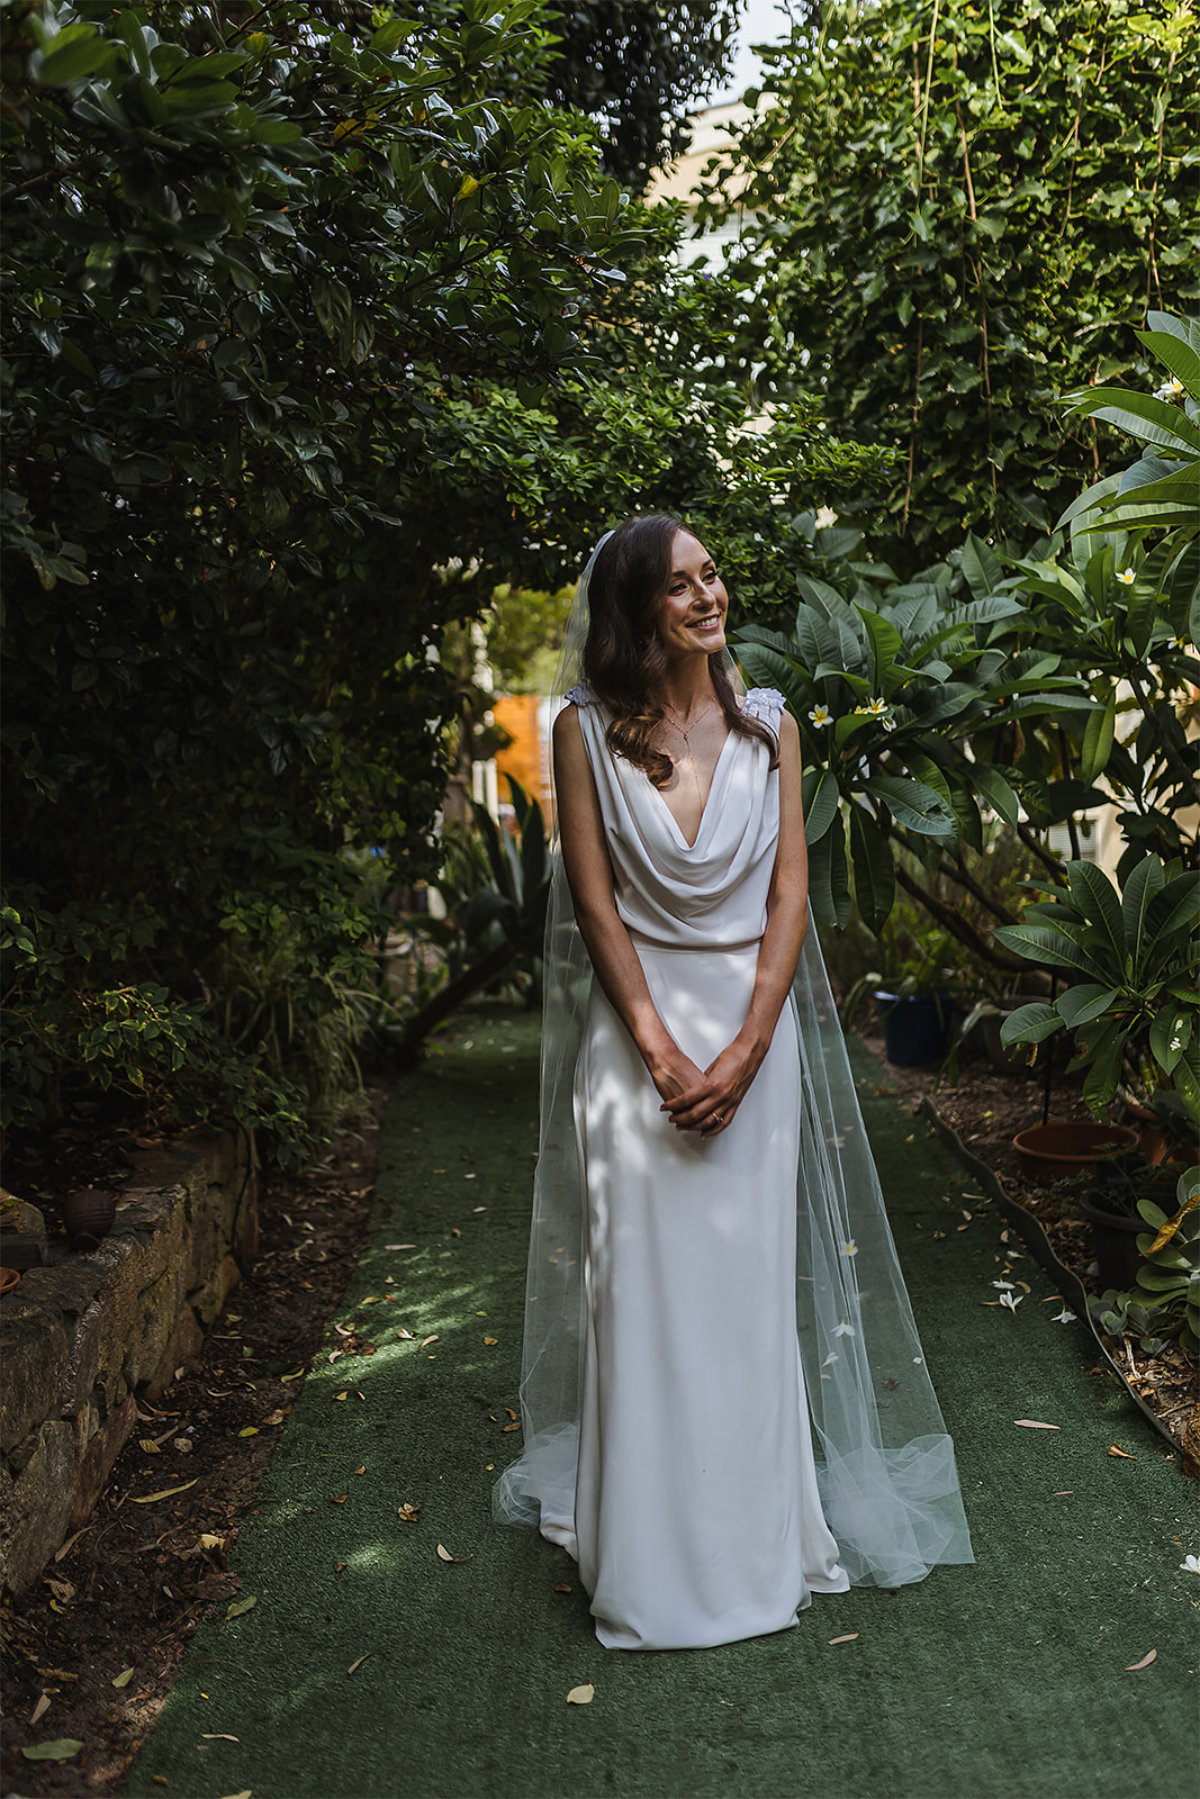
[1170, 1034]
[874, 870]
[828, 878]
[1085, 1001]
[821, 803]
[997, 792]
[1095, 897]
[914, 805]
[1098, 739]
[1176, 355]
[1149, 420]
[60, 1749]
[885, 642]
[1030, 1024]
[1041, 944]
[981, 567]
[1146, 880]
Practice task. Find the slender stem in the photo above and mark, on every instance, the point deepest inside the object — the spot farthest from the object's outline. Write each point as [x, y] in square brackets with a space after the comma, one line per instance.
[957, 926]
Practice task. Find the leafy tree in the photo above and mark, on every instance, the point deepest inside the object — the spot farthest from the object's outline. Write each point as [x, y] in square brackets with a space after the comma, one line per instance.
[949, 212]
[639, 69]
[319, 328]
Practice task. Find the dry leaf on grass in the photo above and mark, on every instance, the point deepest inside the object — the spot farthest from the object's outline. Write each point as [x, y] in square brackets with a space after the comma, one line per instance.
[276, 1417]
[358, 1664]
[238, 1606]
[444, 1555]
[1115, 1449]
[40, 1709]
[166, 1493]
[338, 1498]
[426, 1341]
[851, 1638]
[1144, 1663]
[218, 1736]
[490, 1342]
[581, 1695]
[246, 1793]
[408, 1514]
[1035, 1424]
[123, 1678]
[563, 1586]
[516, 1426]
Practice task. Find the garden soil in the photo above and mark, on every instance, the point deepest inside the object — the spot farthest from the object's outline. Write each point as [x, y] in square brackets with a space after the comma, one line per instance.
[399, 1644]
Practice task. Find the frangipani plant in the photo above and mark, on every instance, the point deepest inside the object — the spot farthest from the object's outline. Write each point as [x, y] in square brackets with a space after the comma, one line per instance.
[1134, 957]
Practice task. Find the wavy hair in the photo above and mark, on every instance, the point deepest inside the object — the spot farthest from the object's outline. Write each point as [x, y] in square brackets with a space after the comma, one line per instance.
[623, 659]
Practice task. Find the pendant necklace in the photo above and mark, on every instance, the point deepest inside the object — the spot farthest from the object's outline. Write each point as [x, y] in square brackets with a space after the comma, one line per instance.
[712, 706]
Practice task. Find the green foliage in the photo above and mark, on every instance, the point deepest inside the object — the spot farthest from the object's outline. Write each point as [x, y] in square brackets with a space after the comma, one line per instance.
[316, 332]
[638, 70]
[890, 684]
[1164, 1305]
[1132, 958]
[957, 206]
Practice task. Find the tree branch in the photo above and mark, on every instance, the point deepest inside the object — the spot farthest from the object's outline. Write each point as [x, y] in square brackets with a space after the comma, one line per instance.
[952, 921]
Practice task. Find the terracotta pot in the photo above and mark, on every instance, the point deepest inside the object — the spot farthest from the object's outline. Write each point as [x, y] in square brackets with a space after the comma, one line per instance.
[8, 1279]
[1114, 1239]
[1052, 1152]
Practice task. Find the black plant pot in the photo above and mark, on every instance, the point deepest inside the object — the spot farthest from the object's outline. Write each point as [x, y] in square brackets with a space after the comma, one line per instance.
[915, 1029]
[1114, 1239]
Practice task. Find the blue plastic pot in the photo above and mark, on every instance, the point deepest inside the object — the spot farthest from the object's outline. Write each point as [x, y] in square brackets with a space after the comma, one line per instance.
[915, 1029]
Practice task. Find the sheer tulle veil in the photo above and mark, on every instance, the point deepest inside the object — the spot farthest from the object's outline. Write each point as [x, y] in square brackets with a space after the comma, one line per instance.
[885, 1463]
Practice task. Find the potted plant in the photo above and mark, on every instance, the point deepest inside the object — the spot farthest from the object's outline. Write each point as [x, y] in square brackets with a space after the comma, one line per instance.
[1131, 1004]
[1162, 1301]
[915, 999]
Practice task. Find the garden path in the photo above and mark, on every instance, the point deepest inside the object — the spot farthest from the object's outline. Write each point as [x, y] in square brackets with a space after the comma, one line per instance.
[1012, 1676]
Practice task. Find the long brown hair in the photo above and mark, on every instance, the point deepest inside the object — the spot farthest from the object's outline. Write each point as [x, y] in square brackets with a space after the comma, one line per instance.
[623, 659]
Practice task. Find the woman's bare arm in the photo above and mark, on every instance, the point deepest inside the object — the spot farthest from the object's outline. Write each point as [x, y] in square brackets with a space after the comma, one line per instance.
[727, 1081]
[590, 877]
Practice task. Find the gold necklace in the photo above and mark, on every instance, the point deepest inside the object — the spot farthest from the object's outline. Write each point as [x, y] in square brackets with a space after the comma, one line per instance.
[686, 735]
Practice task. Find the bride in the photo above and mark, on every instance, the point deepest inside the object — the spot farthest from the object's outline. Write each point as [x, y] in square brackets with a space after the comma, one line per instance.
[711, 1270]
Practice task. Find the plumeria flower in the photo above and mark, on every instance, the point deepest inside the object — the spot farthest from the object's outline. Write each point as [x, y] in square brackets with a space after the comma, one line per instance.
[1190, 1565]
[844, 1330]
[1063, 1317]
[830, 1359]
[1127, 576]
[1005, 1286]
[1170, 390]
[877, 708]
[1179, 643]
[850, 1249]
[821, 716]
[889, 723]
[917, 1359]
[1006, 1299]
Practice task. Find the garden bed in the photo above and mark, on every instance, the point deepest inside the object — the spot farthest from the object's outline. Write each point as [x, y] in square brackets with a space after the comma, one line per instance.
[984, 1111]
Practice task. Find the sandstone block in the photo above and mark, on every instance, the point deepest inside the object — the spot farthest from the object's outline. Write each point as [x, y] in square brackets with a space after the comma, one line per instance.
[33, 1347]
[37, 1506]
[103, 1448]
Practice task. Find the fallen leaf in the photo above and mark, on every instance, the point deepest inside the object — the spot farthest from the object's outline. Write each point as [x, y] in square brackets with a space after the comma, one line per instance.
[238, 1606]
[123, 1678]
[149, 1445]
[218, 1736]
[426, 1341]
[1115, 1449]
[246, 1793]
[399, 1246]
[276, 1417]
[338, 1498]
[409, 1513]
[358, 1663]
[491, 1342]
[1063, 1493]
[454, 1230]
[852, 1638]
[1144, 1663]
[581, 1695]
[1036, 1424]
[563, 1586]
[340, 1396]
[361, 1470]
[508, 1412]
[40, 1709]
[60, 1750]
[210, 1540]
[70, 1544]
[293, 1375]
[444, 1555]
[248, 1430]
[338, 1567]
[166, 1493]
[405, 1336]
[62, 1589]
[515, 1426]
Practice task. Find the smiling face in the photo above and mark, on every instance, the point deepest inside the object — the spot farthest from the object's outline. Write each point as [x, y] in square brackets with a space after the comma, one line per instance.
[690, 617]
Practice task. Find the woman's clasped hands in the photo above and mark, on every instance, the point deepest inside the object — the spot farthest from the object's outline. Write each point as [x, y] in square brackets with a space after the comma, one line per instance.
[707, 1100]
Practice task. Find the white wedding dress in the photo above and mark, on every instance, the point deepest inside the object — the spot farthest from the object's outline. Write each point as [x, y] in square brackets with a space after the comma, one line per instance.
[696, 1519]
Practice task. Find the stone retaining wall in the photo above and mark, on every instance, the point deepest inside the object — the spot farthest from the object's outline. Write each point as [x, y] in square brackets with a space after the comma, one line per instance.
[86, 1337]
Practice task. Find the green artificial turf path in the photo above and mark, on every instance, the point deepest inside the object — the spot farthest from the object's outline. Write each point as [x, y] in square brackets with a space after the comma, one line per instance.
[1007, 1677]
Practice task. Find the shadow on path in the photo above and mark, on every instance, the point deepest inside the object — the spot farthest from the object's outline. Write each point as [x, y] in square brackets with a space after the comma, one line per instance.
[1003, 1678]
